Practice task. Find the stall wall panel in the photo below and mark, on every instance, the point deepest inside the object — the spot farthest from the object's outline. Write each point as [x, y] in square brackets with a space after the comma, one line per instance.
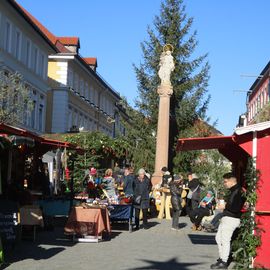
[263, 165]
[263, 252]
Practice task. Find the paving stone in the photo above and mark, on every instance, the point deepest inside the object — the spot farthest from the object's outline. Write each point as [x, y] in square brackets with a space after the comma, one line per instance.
[157, 248]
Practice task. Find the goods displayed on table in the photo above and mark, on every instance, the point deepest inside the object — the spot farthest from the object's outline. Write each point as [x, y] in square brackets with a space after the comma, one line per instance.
[90, 220]
[90, 224]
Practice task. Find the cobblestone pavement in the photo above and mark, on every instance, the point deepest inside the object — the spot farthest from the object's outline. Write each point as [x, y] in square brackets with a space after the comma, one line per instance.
[156, 248]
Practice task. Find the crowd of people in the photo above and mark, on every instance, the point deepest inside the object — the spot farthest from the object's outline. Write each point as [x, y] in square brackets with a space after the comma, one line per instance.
[220, 215]
[188, 197]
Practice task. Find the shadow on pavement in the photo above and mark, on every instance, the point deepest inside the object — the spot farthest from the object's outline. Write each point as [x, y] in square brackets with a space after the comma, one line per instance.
[37, 253]
[113, 235]
[182, 225]
[4, 266]
[167, 265]
[152, 224]
[27, 249]
[199, 239]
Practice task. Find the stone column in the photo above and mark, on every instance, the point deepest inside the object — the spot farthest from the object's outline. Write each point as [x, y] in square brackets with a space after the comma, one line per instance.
[165, 90]
[162, 142]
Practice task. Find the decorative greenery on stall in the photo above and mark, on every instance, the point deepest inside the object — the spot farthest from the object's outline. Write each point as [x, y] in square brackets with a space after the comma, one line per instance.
[210, 166]
[100, 151]
[249, 234]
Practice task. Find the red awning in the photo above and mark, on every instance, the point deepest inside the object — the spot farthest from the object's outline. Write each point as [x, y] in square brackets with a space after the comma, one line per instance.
[215, 142]
[226, 145]
[49, 144]
[57, 144]
[10, 130]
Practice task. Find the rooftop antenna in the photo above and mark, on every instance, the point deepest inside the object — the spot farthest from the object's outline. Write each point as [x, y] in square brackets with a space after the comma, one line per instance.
[244, 91]
[251, 76]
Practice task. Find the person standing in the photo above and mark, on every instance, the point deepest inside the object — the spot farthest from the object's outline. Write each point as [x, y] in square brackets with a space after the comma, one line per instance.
[142, 186]
[193, 196]
[176, 188]
[128, 184]
[229, 221]
[166, 177]
[108, 183]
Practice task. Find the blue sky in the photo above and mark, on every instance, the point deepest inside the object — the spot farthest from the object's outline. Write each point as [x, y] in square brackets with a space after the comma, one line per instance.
[233, 33]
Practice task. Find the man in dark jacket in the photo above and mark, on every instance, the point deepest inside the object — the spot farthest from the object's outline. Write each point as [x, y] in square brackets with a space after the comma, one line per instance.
[193, 197]
[230, 220]
[166, 178]
[128, 182]
[142, 187]
[176, 187]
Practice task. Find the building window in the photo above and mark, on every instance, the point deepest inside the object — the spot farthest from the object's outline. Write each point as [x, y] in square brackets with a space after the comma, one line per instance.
[35, 66]
[76, 82]
[8, 37]
[25, 110]
[70, 78]
[28, 53]
[69, 118]
[87, 96]
[262, 98]
[81, 87]
[91, 93]
[81, 121]
[75, 122]
[40, 117]
[18, 44]
[33, 115]
[42, 66]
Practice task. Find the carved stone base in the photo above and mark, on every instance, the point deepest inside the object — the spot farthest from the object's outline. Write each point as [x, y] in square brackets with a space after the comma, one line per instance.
[165, 90]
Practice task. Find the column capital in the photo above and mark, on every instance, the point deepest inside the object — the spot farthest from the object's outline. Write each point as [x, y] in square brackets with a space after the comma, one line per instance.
[165, 90]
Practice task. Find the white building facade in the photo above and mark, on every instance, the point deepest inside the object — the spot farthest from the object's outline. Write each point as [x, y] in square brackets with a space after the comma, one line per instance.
[25, 49]
[80, 98]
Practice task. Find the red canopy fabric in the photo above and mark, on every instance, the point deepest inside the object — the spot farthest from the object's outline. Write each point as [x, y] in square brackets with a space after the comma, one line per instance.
[226, 145]
[214, 142]
[51, 144]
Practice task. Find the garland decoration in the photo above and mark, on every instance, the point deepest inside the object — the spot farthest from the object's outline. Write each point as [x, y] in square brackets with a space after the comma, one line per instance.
[248, 239]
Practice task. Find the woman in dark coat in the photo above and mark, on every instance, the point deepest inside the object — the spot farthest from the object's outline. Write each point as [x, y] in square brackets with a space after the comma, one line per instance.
[176, 188]
[142, 186]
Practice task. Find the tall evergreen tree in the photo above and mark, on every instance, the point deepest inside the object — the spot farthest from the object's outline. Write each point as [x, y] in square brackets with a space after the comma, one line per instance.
[189, 79]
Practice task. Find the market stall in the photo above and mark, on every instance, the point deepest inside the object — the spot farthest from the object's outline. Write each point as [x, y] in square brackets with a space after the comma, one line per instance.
[250, 141]
[89, 223]
[24, 181]
[122, 212]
